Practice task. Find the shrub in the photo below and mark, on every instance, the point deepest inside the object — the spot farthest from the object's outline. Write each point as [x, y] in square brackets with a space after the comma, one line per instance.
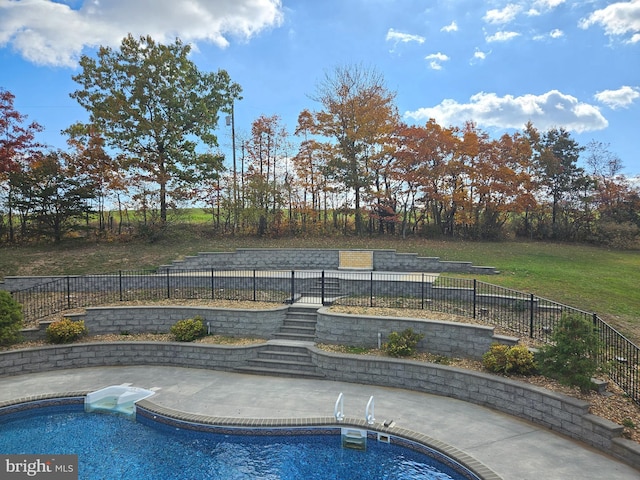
[572, 358]
[65, 331]
[619, 235]
[188, 330]
[403, 344]
[516, 360]
[10, 319]
[495, 360]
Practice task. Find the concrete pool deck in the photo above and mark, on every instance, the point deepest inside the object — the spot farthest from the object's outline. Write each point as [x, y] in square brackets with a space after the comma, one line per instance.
[510, 447]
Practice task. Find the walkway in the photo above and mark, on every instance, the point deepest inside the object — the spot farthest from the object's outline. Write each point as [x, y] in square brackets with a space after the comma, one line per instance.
[512, 448]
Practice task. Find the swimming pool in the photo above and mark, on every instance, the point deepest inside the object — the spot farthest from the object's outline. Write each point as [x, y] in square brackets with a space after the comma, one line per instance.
[110, 447]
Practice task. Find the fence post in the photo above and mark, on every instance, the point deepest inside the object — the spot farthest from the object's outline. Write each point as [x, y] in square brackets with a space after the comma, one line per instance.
[254, 284]
[322, 289]
[120, 283]
[68, 292]
[531, 315]
[475, 296]
[293, 285]
[422, 292]
[213, 286]
[168, 286]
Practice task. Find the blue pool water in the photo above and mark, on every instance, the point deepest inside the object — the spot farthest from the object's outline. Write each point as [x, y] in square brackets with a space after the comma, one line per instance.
[112, 447]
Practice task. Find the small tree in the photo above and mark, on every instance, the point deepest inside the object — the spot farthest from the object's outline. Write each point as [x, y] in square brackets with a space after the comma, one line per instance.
[10, 319]
[572, 358]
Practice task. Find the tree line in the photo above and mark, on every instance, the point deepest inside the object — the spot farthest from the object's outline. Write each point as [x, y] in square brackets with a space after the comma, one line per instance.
[350, 167]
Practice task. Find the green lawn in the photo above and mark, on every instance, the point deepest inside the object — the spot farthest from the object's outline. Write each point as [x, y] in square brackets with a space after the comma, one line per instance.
[590, 278]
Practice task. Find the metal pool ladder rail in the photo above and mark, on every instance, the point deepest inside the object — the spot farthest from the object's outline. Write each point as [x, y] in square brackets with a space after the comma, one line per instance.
[338, 410]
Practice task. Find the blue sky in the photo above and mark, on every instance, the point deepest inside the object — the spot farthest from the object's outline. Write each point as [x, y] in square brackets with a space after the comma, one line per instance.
[558, 63]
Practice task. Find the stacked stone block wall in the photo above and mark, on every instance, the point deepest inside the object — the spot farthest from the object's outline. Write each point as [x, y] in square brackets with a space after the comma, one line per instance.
[450, 339]
[222, 321]
[319, 259]
[557, 412]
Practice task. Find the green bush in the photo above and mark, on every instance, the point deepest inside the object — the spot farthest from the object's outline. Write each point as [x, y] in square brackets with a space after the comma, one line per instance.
[516, 360]
[402, 344]
[10, 319]
[65, 331]
[188, 330]
[572, 357]
[495, 360]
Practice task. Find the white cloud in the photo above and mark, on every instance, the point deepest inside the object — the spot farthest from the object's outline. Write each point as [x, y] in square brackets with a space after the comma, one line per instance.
[620, 98]
[452, 27]
[551, 109]
[555, 33]
[547, 4]
[505, 15]
[51, 33]
[479, 55]
[543, 6]
[501, 36]
[617, 19]
[399, 37]
[436, 60]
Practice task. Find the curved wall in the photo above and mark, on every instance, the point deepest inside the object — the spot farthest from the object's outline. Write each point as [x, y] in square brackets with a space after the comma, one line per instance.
[558, 412]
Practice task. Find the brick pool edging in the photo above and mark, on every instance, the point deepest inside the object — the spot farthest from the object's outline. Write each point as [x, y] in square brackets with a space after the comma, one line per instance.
[558, 412]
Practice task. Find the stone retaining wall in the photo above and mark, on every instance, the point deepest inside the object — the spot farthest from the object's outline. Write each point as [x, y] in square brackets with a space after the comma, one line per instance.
[221, 321]
[319, 259]
[558, 412]
[451, 339]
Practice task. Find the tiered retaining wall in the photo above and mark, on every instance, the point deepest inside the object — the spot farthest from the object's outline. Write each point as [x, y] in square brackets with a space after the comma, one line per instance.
[319, 259]
[221, 321]
[451, 339]
[558, 412]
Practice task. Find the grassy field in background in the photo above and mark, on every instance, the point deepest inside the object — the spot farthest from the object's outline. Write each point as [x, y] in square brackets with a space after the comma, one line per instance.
[590, 278]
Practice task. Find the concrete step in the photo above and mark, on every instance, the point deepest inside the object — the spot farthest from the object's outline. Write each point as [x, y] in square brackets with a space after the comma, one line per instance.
[295, 322]
[279, 372]
[299, 357]
[295, 336]
[303, 366]
[297, 329]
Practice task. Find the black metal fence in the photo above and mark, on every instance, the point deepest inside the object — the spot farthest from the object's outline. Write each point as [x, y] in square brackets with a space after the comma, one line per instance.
[521, 313]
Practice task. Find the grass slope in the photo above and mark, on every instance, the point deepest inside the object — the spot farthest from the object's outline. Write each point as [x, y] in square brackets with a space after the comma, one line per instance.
[590, 278]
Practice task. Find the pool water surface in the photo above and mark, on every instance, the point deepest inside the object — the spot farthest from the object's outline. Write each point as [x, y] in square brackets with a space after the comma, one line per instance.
[110, 447]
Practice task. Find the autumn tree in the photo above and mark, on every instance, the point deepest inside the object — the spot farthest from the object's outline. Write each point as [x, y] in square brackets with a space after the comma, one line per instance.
[153, 104]
[499, 184]
[17, 145]
[307, 164]
[90, 158]
[617, 203]
[266, 150]
[52, 194]
[359, 115]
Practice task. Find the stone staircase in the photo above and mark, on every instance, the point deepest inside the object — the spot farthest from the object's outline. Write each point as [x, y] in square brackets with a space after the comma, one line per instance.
[299, 324]
[287, 355]
[331, 291]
